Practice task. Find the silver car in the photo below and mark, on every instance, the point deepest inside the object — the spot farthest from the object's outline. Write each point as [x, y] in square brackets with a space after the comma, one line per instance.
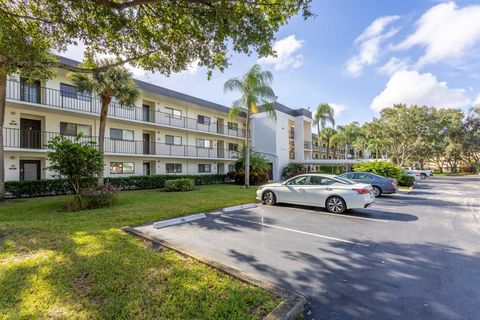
[380, 185]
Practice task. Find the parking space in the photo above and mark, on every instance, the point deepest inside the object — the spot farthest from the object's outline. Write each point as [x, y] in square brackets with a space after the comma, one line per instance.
[409, 256]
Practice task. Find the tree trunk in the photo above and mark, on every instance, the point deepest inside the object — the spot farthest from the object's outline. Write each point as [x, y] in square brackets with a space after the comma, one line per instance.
[101, 131]
[247, 151]
[328, 149]
[3, 97]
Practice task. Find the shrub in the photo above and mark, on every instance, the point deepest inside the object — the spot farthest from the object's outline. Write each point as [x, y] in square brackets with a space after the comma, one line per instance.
[331, 169]
[292, 170]
[382, 168]
[93, 198]
[256, 178]
[51, 187]
[179, 185]
[406, 180]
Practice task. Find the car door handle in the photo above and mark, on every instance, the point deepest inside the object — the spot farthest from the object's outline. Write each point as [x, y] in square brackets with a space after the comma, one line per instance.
[328, 189]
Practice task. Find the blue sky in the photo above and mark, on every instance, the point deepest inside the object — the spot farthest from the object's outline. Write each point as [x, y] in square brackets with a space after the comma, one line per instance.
[361, 56]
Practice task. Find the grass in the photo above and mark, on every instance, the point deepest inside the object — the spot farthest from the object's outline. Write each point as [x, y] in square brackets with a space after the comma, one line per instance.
[80, 265]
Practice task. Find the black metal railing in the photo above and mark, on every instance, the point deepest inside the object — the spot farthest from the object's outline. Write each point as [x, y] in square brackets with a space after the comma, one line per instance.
[33, 139]
[84, 102]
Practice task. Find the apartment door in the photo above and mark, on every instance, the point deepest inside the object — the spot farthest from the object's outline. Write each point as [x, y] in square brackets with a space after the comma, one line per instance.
[220, 168]
[30, 91]
[220, 126]
[30, 169]
[146, 143]
[146, 169]
[220, 149]
[146, 112]
[30, 133]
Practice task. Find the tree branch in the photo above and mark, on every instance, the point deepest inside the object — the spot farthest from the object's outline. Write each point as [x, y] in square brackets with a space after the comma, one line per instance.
[25, 16]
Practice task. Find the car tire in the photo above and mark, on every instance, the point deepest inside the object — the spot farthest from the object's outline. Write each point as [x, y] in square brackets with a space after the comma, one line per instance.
[423, 176]
[335, 204]
[268, 198]
[377, 192]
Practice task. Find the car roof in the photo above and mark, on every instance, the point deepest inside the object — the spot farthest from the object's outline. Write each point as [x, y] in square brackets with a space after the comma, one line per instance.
[326, 175]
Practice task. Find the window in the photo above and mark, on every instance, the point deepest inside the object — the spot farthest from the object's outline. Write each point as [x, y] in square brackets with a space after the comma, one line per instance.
[175, 140]
[122, 167]
[203, 143]
[231, 168]
[320, 181]
[233, 126]
[316, 155]
[173, 167]
[203, 168]
[120, 134]
[362, 176]
[232, 147]
[203, 119]
[72, 129]
[297, 181]
[69, 91]
[174, 113]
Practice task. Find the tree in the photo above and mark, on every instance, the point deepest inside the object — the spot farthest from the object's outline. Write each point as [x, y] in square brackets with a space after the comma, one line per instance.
[164, 36]
[323, 114]
[114, 82]
[347, 135]
[255, 89]
[326, 137]
[76, 161]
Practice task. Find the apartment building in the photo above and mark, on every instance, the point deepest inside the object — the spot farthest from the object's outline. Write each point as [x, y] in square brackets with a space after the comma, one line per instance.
[288, 138]
[167, 132]
[319, 150]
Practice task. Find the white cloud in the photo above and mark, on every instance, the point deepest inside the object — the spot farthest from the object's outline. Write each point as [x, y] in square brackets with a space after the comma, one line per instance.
[446, 32]
[286, 56]
[412, 87]
[369, 44]
[393, 65]
[338, 108]
[477, 101]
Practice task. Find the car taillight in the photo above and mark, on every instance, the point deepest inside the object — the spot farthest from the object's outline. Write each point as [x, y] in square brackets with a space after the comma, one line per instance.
[392, 181]
[362, 191]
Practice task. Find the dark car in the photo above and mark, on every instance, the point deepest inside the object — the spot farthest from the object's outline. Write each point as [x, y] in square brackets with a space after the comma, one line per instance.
[381, 185]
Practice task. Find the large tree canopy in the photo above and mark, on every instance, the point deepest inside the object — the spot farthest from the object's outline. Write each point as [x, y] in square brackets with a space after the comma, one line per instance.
[161, 35]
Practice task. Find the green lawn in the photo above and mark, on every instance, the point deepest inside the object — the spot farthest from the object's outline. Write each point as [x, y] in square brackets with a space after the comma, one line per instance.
[80, 265]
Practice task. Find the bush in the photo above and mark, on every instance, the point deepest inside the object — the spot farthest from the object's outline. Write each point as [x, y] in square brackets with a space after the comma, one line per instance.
[292, 170]
[52, 187]
[179, 185]
[93, 198]
[382, 168]
[256, 178]
[331, 169]
[406, 180]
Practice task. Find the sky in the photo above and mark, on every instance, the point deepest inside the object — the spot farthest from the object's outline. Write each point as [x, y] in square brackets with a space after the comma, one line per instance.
[360, 57]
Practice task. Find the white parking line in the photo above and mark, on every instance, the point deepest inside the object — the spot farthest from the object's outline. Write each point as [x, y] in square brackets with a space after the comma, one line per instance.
[339, 215]
[296, 231]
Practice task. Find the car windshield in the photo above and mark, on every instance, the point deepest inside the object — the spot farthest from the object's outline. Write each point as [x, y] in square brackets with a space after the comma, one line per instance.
[344, 180]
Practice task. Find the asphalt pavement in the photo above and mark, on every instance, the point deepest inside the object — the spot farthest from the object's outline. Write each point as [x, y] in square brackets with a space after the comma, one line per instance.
[413, 255]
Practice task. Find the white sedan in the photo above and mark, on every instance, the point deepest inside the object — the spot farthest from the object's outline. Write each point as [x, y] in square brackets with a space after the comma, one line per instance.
[334, 193]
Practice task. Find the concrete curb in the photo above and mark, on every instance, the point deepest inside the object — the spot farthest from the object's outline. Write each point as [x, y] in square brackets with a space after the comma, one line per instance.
[293, 303]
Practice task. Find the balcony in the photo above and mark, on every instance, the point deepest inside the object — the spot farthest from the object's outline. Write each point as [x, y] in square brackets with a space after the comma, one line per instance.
[85, 103]
[37, 140]
[308, 145]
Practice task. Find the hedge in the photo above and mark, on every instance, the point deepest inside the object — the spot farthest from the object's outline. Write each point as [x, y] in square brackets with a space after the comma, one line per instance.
[406, 180]
[179, 185]
[382, 168]
[52, 187]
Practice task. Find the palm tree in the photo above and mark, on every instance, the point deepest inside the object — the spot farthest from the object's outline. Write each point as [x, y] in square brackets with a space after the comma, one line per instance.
[348, 134]
[375, 145]
[323, 114]
[114, 82]
[360, 144]
[326, 137]
[255, 89]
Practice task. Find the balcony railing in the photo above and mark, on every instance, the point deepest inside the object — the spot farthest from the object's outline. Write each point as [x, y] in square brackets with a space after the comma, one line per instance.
[85, 103]
[308, 145]
[33, 139]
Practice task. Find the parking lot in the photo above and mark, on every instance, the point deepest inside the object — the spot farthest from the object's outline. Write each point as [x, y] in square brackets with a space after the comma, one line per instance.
[410, 256]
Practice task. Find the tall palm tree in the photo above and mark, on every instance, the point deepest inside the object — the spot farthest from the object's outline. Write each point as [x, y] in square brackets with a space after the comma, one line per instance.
[323, 114]
[326, 137]
[114, 82]
[255, 90]
[348, 134]
[375, 145]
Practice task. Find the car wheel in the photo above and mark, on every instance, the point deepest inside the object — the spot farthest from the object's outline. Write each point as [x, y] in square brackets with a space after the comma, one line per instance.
[335, 204]
[377, 191]
[423, 176]
[268, 198]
